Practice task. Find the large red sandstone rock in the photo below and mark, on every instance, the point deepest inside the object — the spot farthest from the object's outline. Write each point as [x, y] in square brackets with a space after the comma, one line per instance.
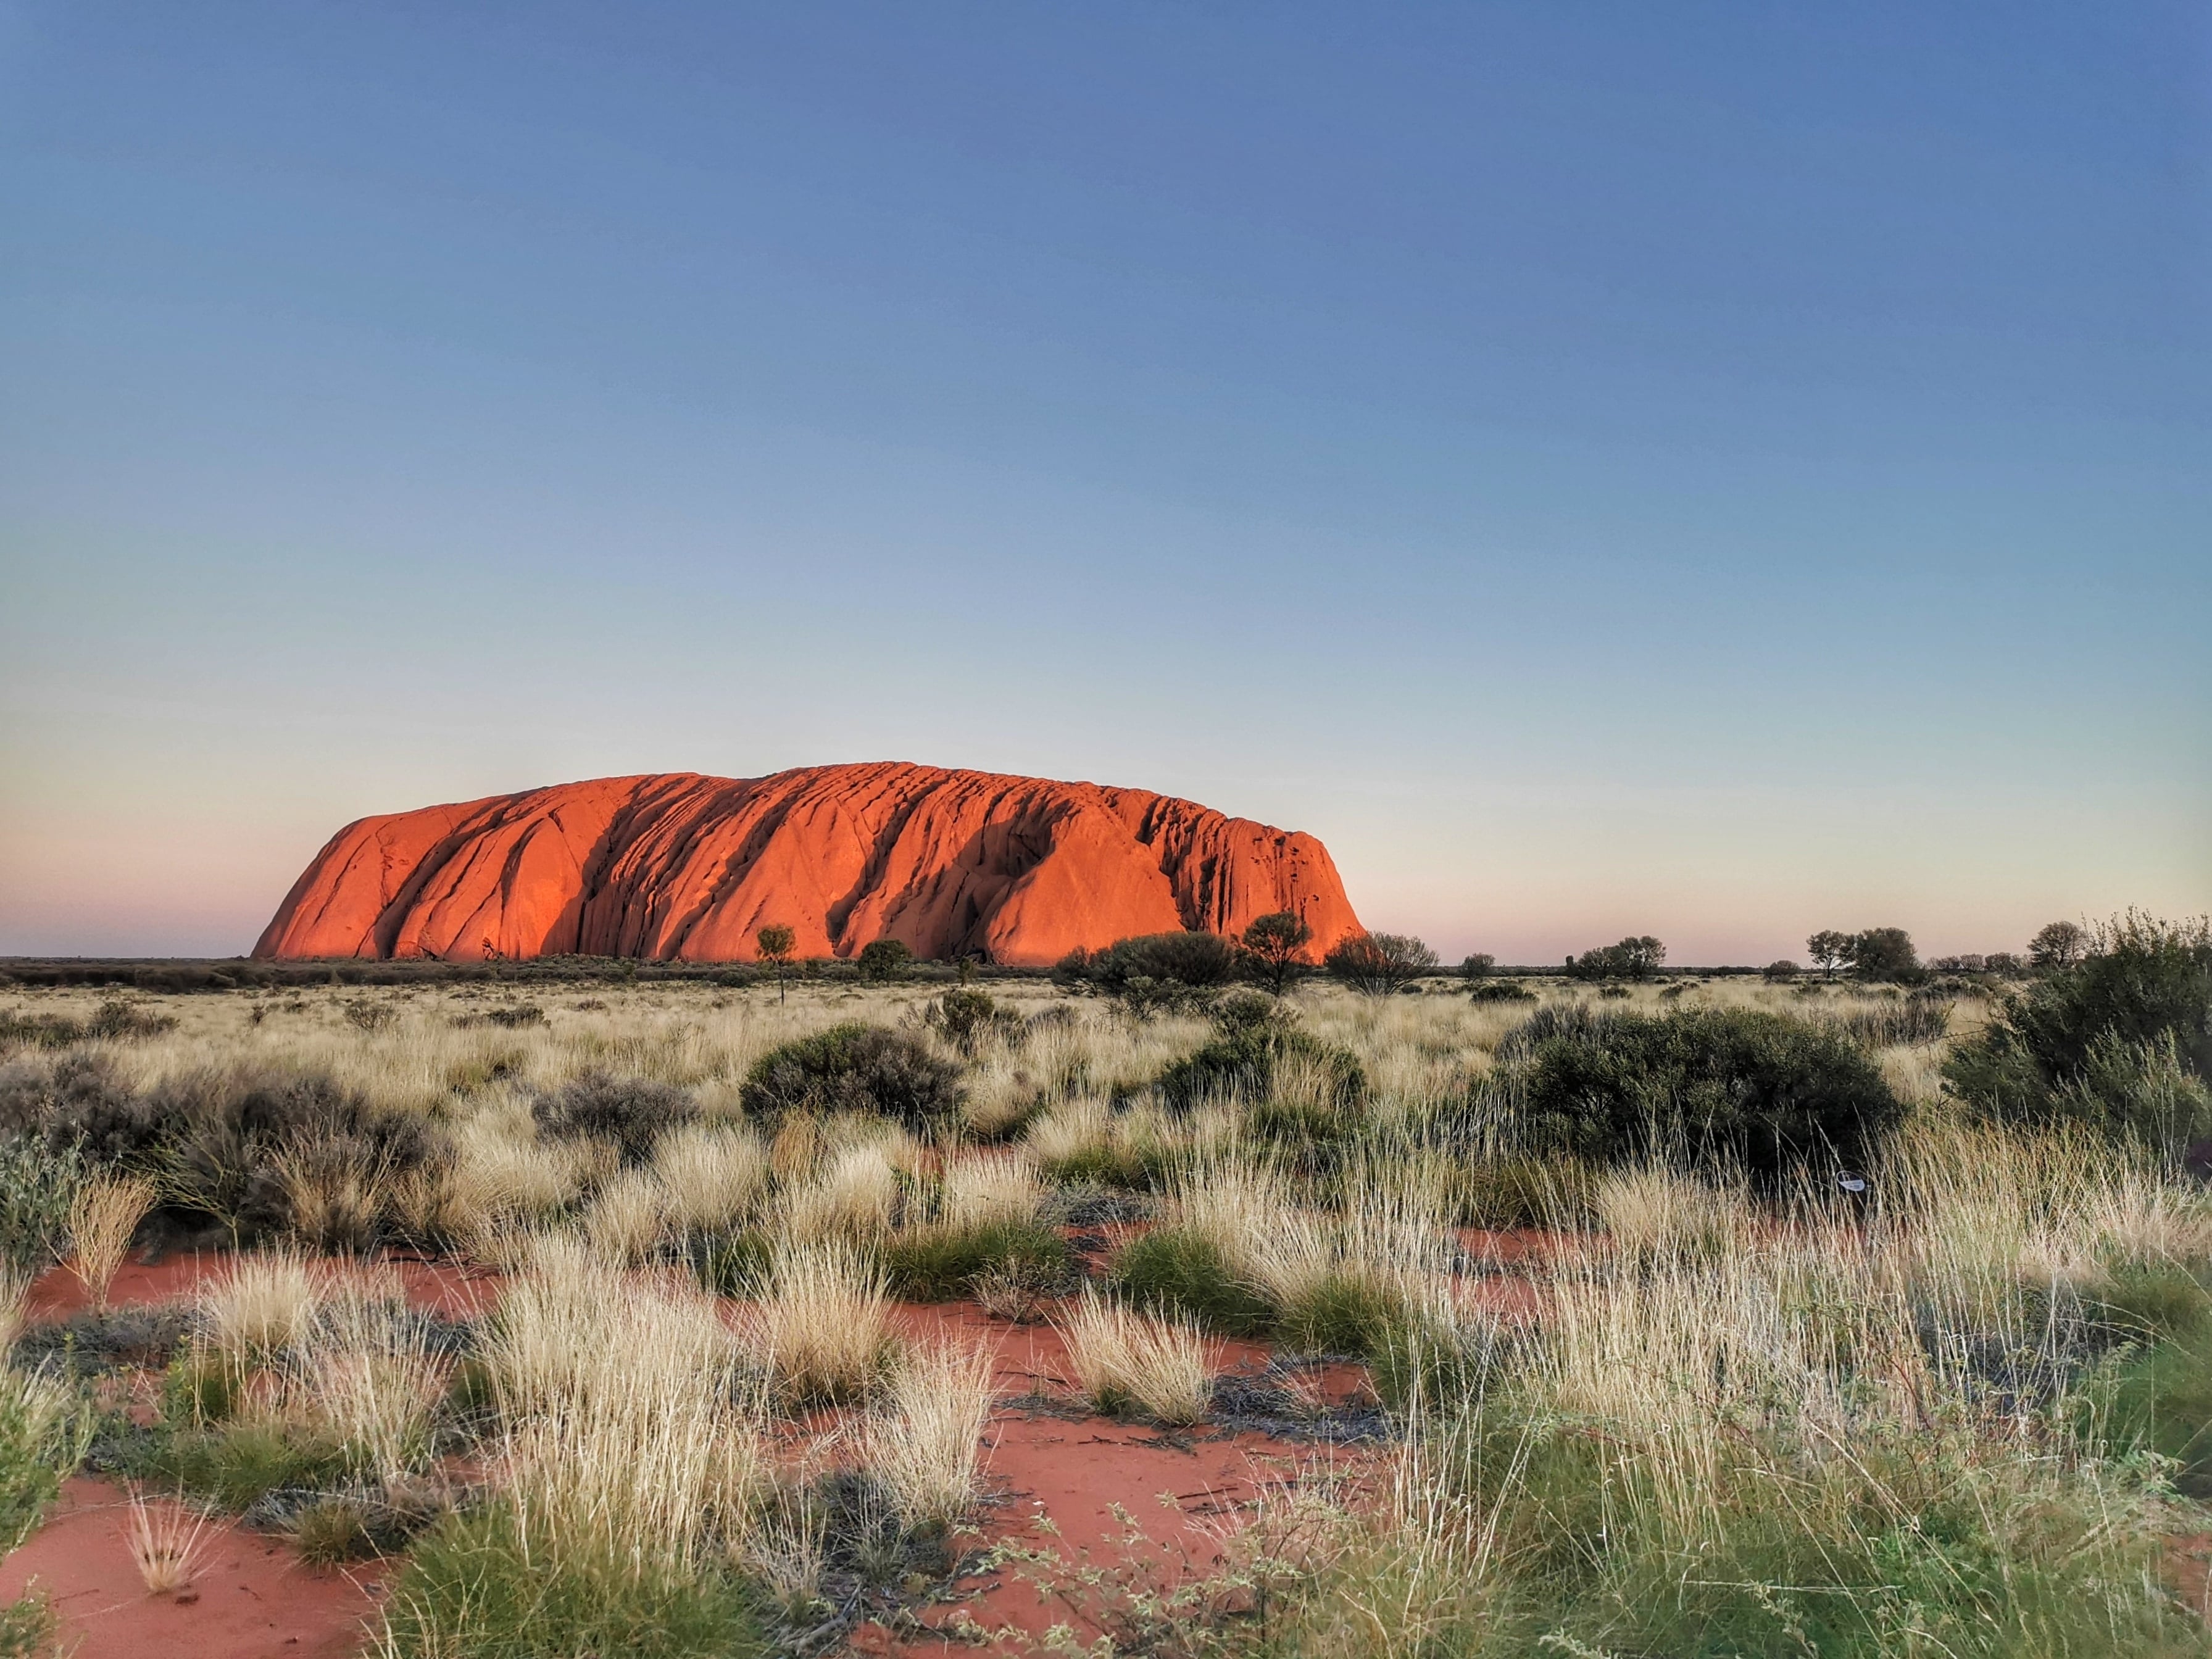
[680, 868]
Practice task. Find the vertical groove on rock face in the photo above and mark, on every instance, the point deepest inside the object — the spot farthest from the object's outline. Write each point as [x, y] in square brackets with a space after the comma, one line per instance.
[681, 866]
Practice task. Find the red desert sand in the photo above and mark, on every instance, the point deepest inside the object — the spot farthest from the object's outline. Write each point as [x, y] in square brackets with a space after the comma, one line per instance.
[677, 867]
[1060, 1478]
[250, 1599]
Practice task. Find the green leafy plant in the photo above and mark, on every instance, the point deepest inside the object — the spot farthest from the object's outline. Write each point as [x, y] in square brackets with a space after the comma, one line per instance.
[1632, 958]
[1252, 1046]
[1379, 964]
[629, 1113]
[480, 1584]
[2110, 1039]
[884, 959]
[1274, 941]
[855, 1068]
[1174, 1272]
[775, 943]
[939, 1261]
[1755, 1091]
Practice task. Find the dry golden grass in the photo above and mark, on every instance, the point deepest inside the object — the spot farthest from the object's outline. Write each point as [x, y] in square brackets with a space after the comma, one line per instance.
[711, 1178]
[1121, 1358]
[627, 1217]
[102, 1219]
[367, 1377]
[170, 1543]
[924, 1442]
[1649, 1212]
[266, 1304]
[628, 1437]
[14, 1297]
[852, 1195]
[819, 1325]
[980, 1188]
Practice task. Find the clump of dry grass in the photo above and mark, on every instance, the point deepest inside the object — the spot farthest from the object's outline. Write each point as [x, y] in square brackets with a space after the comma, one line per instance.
[168, 1541]
[335, 1201]
[984, 1189]
[820, 1322]
[1650, 1213]
[265, 1305]
[853, 1195]
[711, 1176]
[14, 1297]
[627, 1437]
[1121, 1359]
[923, 1443]
[627, 1219]
[502, 1174]
[102, 1219]
[368, 1377]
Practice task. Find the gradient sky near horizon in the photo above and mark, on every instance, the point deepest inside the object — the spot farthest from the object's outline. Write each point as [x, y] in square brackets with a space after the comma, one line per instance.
[1715, 470]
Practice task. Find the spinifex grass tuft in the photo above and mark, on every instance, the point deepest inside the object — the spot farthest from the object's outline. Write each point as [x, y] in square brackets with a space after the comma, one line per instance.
[1123, 1360]
[820, 1323]
[923, 1443]
[102, 1221]
[168, 1542]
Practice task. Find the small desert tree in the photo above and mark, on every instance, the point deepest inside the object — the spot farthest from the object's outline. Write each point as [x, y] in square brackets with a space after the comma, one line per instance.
[1477, 966]
[1380, 965]
[1274, 941]
[775, 943]
[1885, 953]
[2058, 946]
[1830, 951]
[1638, 957]
[884, 959]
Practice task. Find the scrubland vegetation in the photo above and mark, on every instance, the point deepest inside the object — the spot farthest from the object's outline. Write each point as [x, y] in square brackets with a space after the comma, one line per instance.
[1709, 1317]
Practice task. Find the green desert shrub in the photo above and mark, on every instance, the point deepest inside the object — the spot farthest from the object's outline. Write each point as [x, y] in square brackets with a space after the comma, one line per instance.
[476, 1585]
[1338, 1313]
[939, 1261]
[966, 1018]
[512, 1018]
[1187, 958]
[1158, 972]
[2160, 1399]
[76, 1100]
[29, 1627]
[113, 1021]
[44, 1432]
[884, 959]
[1753, 1091]
[201, 1386]
[1172, 1272]
[2112, 1039]
[236, 1465]
[1501, 990]
[628, 1113]
[1252, 1050]
[38, 1184]
[854, 1068]
[331, 1531]
[235, 1144]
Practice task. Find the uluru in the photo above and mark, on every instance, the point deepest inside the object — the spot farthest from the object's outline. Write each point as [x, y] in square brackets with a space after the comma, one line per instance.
[683, 867]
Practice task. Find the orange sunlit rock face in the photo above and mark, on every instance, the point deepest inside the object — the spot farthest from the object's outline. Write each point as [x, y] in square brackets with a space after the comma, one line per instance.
[677, 867]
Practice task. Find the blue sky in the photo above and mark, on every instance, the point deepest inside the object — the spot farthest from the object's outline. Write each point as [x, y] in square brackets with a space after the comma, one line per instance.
[1715, 470]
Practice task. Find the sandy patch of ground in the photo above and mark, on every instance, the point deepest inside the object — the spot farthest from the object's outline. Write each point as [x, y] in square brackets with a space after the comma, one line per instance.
[252, 1599]
[448, 1288]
